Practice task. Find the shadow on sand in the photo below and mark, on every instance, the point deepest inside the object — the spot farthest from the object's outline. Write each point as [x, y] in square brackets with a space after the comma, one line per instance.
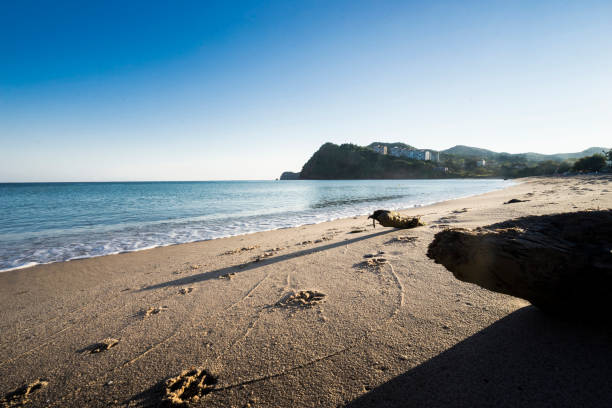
[204, 276]
[526, 359]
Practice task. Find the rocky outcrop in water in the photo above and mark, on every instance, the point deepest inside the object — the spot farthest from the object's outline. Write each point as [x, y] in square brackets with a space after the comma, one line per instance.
[289, 175]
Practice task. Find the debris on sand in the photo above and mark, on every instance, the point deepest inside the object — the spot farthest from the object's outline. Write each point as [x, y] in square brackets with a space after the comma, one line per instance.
[21, 396]
[561, 263]
[185, 291]
[393, 219]
[188, 387]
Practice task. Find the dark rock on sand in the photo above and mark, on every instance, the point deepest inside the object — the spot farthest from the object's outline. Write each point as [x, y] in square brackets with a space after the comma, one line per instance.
[561, 263]
[388, 218]
[515, 200]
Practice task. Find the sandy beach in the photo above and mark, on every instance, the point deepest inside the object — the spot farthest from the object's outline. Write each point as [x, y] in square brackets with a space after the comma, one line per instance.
[303, 317]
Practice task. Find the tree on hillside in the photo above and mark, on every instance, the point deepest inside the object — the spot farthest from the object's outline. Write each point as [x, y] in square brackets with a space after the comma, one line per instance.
[454, 163]
[546, 167]
[471, 164]
[608, 155]
[349, 162]
[563, 167]
[595, 162]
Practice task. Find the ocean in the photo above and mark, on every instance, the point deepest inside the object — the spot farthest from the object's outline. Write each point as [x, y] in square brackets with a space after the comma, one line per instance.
[52, 222]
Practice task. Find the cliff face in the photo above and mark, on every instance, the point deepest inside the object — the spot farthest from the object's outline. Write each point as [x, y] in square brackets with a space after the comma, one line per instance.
[349, 161]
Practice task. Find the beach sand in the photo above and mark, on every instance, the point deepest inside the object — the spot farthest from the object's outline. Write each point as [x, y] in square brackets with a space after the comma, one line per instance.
[302, 317]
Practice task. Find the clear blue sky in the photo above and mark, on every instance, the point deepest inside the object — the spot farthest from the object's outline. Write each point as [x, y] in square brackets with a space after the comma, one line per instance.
[146, 90]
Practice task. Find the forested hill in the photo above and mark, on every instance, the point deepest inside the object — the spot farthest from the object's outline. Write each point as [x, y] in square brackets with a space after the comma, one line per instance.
[467, 151]
[392, 145]
[349, 161]
[475, 152]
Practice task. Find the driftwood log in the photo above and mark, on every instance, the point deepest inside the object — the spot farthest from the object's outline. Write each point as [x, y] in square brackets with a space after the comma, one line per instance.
[393, 219]
[561, 263]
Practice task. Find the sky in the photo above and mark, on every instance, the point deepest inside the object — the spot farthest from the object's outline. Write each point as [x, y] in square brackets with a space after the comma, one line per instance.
[203, 90]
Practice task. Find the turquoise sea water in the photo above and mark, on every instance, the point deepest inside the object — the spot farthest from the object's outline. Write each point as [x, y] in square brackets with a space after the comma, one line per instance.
[51, 222]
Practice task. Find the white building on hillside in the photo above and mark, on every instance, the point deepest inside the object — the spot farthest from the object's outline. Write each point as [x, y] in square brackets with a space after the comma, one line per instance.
[380, 149]
[414, 154]
[408, 153]
[396, 151]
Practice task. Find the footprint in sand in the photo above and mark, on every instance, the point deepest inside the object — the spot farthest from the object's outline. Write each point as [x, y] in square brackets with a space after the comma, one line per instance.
[404, 239]
[188, 387]
[461, 211]
[101, 346]
[238, 250]
[440, 226]
[379, 253]
[260, 258]
[303, 298]
[325, 238]
[376, 262]
[372, 263]
[185, 291]
[267, 253]
[21, 396]
[446, 220]
[152, 311]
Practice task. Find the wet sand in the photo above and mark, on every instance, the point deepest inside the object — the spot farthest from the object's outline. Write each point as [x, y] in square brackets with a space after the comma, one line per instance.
[333, 314]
